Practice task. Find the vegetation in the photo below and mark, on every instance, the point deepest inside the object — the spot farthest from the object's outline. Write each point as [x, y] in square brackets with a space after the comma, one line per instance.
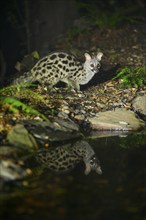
[22, 91]
[132, 77]
[14, 105]
[133, 141]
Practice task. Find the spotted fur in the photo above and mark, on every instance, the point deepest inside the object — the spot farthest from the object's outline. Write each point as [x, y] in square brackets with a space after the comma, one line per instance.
[60, 66]
[62, 159]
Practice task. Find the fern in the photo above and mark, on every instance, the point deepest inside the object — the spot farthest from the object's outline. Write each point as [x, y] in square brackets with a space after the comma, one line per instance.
[16, 105]
[132, 77]
[22, 91]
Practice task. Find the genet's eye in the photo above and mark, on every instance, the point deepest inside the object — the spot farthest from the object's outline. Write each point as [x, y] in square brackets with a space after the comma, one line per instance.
[92, 65]
[92, 160]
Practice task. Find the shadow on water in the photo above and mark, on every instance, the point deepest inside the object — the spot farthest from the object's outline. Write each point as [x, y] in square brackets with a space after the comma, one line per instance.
[118, 194]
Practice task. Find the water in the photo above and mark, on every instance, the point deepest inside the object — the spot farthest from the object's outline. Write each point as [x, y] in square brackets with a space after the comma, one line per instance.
[118, 194]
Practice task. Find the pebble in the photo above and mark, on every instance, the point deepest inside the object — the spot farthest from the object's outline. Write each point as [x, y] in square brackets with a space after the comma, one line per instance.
[79, 117]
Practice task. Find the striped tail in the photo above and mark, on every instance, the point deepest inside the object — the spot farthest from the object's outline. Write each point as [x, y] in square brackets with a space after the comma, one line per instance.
[26, 77]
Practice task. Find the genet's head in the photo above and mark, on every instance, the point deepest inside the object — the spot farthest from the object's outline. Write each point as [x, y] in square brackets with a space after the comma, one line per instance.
[93, 62]
[92, 164]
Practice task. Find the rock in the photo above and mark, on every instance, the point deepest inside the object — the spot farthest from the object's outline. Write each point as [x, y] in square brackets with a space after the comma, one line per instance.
[65, 107]
[66, 124]
[20, 137]
[94, 134]
[79, 117]
[139, 106]
[120, 119]
[58, 130]
[13, 170]
[63, 115]
[7, 151]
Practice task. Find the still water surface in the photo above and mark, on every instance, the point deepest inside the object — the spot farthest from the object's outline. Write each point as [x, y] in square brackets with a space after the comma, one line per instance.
[118, 194]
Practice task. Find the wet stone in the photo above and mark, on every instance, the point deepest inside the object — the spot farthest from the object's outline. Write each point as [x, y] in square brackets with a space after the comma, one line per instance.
[11, 152]
[12, 170]
[20, 137]
[118, 120]
[139, 106]
[58, 130]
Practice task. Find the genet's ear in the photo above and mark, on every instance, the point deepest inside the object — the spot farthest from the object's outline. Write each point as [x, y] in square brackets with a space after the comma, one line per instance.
[87, 56]
[99, 55]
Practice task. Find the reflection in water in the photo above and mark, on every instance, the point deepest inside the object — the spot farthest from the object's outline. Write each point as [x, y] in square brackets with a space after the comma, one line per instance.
[66, 157]
[118, 194]
[12, 170]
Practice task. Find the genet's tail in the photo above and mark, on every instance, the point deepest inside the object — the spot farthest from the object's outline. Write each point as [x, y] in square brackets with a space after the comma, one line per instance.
[24, 78]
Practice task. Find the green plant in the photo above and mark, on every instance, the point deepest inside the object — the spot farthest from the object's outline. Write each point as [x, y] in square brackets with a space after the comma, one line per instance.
[132, 77]
[15, 106]
[22, 90]
[11, 94]
[133, 140]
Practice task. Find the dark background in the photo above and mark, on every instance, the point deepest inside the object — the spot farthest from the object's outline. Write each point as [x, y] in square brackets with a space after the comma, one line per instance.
[30, 25]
